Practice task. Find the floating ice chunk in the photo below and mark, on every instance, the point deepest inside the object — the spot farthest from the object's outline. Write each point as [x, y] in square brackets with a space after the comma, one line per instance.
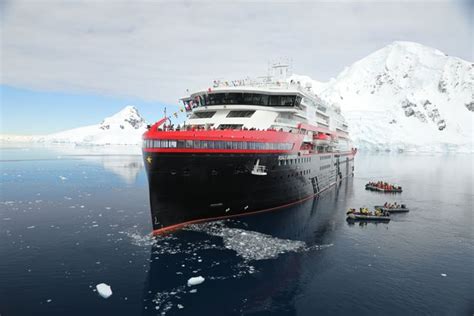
[62, 178]
[104, 290]
[195, 280]
[49, 300]
[193, 291]
[250, 245]
[180, 306]
[30, 227]
[444, 275]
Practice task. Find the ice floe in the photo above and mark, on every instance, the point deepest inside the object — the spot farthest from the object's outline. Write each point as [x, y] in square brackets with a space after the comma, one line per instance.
[250, 245]
[104, 290]
[195, 280]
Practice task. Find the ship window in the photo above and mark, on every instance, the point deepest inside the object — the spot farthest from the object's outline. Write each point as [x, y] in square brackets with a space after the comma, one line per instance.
[189, 144]
[203, 114]
[259, 99]
[274, 100]
[235, 145]
[240, 113]
[197, 144]
[228, 145]
[298, 101]
[247, 99]
[215, 99]
[172, 144]
[204, 144]
[287, 100]
[164, 143]
[231, 126]
[180, 144]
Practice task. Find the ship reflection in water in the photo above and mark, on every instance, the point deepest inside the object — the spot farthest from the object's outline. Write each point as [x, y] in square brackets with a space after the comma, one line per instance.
[251, 265]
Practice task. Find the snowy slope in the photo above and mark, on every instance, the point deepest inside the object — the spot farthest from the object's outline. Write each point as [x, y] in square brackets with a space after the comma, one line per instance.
[123, 128]
[405, 96]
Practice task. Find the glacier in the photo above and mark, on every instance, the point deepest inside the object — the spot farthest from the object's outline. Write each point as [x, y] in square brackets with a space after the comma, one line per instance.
[405, 97]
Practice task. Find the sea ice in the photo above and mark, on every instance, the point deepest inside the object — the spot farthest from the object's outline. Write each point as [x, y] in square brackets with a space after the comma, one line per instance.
[195, 280]
[250, 245]
[444, 274]
[104, 290]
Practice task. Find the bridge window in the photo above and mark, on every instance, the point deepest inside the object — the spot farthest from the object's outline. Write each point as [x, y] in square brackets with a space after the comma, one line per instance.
[248, 99]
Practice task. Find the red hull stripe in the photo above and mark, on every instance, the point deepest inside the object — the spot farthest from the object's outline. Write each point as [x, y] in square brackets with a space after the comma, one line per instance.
[225, 135]
[214, 151]
[202, 220]
[236, 151]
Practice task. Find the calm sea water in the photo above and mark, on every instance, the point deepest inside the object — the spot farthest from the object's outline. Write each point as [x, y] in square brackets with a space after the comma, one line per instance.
[71, 218]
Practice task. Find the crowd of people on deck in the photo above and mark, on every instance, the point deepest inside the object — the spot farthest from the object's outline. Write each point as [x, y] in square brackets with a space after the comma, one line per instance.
[202, 128]
[383, 185]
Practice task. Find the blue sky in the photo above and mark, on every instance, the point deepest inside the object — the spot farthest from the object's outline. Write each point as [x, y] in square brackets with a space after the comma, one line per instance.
[27, 112]
[66, 64]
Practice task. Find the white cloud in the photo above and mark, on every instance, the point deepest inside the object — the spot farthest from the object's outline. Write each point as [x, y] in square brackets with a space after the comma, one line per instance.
[155, 50]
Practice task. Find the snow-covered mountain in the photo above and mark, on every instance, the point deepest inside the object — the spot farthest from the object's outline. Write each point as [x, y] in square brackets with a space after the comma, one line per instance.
[405, 96]
[123, 128]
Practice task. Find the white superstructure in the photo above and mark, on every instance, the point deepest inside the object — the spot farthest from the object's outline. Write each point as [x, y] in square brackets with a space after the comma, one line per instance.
[268, 104]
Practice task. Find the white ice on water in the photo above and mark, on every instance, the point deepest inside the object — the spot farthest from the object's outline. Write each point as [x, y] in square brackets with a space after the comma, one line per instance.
[250, 245]
[104, 290]
[195, 280]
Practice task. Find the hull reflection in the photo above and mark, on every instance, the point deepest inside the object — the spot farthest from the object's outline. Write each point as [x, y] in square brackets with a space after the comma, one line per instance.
[235, 284]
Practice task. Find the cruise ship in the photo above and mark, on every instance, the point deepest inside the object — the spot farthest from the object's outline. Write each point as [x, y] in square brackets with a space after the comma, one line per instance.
[247, 146]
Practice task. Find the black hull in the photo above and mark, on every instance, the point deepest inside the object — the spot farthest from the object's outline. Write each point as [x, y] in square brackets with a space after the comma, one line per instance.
[186, 188]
